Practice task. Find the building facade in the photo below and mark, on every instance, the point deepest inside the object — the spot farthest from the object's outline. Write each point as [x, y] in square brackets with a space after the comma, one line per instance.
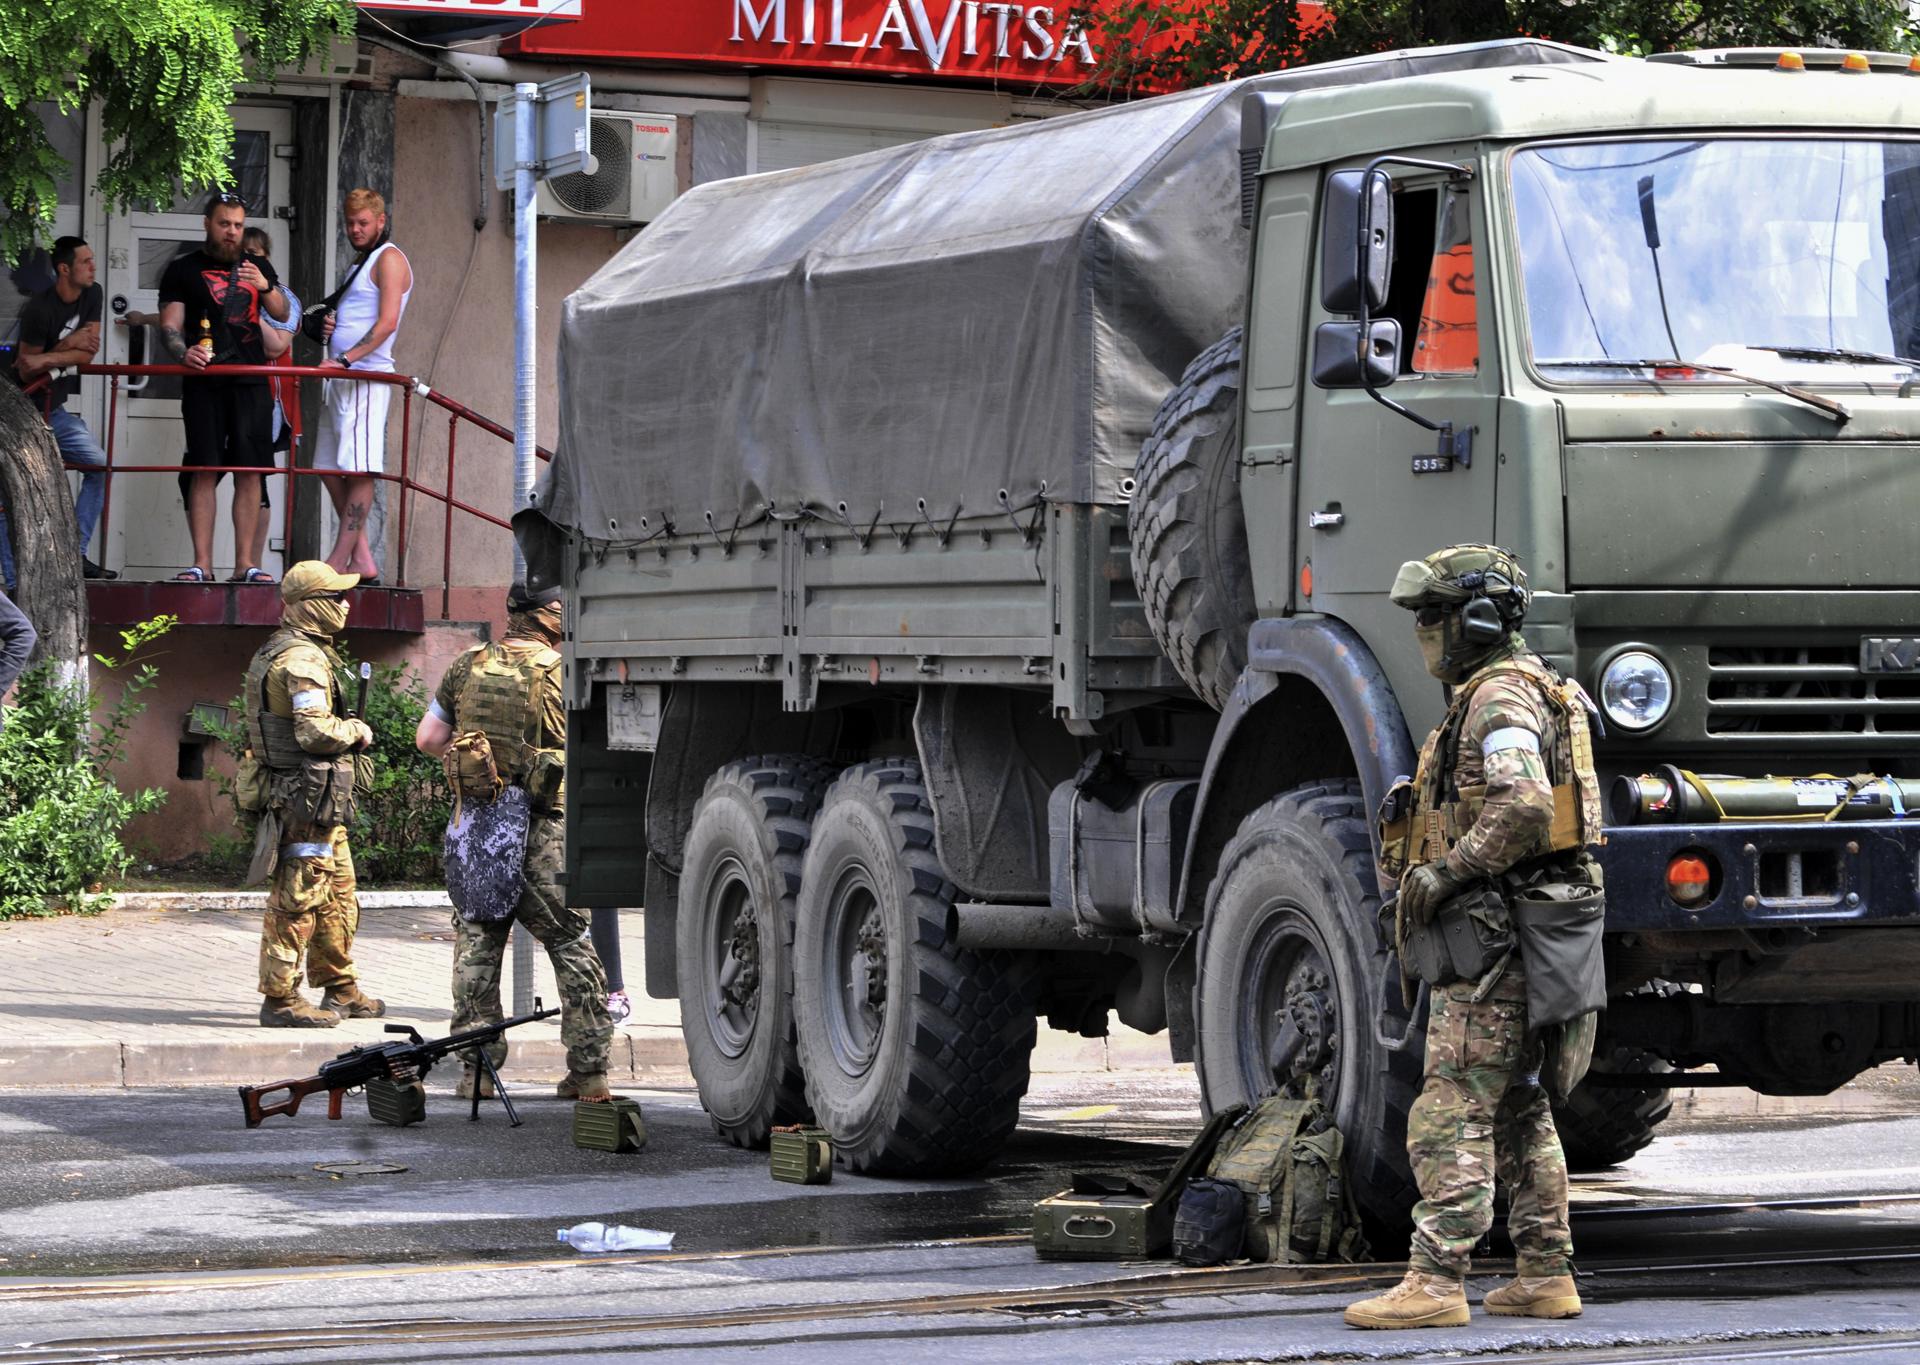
[682, 94]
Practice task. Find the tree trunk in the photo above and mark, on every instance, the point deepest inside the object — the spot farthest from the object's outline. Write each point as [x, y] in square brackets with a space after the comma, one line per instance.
[46, 541]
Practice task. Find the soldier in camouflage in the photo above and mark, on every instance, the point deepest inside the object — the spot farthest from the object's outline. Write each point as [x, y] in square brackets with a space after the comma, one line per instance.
[298, 735]
[511, 692]
[1484, 808]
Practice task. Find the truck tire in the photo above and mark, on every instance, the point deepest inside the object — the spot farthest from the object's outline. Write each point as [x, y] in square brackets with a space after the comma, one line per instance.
[1189, 534]
[915, 1050]
[1290, 915]
[734, 940]
[1602, 1126]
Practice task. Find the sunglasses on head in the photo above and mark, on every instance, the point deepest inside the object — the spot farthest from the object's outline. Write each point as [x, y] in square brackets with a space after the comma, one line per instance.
[230, 199]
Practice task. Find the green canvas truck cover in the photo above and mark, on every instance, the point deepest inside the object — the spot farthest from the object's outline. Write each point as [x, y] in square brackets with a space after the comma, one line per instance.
[992, 310]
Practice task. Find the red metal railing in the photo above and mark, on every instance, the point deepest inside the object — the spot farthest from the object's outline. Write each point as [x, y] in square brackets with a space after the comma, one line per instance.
[406, 481]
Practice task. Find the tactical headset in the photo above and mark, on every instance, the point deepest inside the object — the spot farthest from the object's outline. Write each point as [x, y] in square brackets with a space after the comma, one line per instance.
[1483, 621]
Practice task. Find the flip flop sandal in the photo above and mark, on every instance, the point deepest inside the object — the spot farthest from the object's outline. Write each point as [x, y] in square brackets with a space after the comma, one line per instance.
[195, 574]
[253, 576]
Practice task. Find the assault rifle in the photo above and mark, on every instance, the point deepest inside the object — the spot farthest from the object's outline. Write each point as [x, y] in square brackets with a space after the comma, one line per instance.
[401, 1063]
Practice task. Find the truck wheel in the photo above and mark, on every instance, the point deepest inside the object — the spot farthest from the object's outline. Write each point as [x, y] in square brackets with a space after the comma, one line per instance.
[739, 874]
[915, 1050]
[1189, 533]
[1602, 1126]
[1290, 920]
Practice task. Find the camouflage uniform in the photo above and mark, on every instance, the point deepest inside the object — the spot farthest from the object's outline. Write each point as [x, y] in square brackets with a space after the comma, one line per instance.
[1481, 1109]
[585, 1026]
[312, 909]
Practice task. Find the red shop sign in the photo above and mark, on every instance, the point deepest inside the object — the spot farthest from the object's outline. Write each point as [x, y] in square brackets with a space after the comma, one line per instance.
[967, 39]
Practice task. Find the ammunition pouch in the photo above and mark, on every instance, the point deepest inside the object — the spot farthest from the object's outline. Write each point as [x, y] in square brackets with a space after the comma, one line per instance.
[1467, 938]
[546, 780]
[471, 771]
[318, 794]
[1559, 920]
[362, 777]
[252, 785]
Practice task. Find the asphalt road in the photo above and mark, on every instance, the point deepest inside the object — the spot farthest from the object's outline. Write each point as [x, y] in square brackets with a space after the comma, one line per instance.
[154, 1226]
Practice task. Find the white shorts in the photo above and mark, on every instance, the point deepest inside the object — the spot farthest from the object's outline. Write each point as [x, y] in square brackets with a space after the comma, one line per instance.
[353, 427]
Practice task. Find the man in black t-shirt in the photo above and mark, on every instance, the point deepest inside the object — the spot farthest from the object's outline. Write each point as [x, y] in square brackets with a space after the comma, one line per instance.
[59, 329]
[210, 304]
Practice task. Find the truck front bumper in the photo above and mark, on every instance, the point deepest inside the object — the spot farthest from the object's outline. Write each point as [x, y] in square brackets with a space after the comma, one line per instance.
[1766, 875]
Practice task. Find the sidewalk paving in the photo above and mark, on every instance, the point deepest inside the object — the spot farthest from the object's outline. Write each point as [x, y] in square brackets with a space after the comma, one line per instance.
[160, 991]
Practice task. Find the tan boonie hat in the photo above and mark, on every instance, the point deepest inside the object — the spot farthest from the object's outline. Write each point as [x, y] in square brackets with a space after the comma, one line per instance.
[314, 578]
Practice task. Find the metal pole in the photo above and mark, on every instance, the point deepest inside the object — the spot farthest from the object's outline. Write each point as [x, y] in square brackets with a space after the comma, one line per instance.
[526, 153]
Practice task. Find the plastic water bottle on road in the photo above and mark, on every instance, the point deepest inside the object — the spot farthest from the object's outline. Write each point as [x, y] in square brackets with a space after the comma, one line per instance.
[614, 1237]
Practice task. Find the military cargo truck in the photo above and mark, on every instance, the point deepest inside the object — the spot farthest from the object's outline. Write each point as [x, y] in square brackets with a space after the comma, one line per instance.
[979, 555]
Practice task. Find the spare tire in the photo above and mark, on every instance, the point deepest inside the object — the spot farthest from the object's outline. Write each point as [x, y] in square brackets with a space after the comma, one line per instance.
[1189, 533]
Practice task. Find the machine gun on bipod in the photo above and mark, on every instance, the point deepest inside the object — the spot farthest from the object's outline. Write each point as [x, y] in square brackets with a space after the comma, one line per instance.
[398, 1063]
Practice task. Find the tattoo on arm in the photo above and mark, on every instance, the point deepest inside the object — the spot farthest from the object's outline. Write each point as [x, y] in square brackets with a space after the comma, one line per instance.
[176, 345]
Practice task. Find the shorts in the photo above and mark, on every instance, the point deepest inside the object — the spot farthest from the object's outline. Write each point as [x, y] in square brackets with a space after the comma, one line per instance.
[228, 424]
[353, 427]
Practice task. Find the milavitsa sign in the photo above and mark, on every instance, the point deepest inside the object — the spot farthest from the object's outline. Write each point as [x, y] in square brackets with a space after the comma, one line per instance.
[1014, 44]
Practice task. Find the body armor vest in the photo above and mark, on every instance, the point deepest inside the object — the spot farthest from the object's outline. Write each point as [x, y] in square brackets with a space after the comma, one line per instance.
[498, 698]
[271, 736]
[1440, 812]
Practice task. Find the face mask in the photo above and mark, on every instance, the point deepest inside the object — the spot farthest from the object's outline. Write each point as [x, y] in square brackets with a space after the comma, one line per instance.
[317, 616]
[1433, 647]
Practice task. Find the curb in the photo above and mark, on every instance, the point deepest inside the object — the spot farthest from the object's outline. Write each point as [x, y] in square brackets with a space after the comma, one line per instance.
[156, 901]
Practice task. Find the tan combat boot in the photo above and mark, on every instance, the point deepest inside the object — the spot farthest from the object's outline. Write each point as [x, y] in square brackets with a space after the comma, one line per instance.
[1535, 1296]
[1419, 1300]
[591, 1086]
[290, 1011]
[469, 1079]
[350, 1002]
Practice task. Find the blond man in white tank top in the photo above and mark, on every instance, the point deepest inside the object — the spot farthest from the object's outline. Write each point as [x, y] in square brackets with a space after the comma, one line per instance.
[359, 336]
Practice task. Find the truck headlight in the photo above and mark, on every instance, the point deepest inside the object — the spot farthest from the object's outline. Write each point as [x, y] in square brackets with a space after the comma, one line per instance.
[1636, 691]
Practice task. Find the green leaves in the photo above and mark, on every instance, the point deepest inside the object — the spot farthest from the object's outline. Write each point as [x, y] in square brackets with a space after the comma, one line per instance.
[164, 73]
[60, 812]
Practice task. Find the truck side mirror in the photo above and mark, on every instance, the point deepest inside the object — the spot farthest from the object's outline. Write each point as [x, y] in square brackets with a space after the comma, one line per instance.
[1349, 263]
[1343, 359]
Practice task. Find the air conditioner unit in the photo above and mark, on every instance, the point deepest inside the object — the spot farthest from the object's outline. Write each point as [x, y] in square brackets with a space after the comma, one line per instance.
[637, 175]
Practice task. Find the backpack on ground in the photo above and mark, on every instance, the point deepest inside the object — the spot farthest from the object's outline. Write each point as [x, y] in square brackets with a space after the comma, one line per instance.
[1210, 1225]
[1287, 1159]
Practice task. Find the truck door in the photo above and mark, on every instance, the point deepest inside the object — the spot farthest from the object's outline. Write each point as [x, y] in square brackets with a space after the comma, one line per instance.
[1363, 509]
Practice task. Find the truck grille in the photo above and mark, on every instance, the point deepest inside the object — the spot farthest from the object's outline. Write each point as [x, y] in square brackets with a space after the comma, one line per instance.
[1810, 690]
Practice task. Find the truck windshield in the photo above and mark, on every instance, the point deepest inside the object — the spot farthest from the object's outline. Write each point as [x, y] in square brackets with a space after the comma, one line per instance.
[1785, 258]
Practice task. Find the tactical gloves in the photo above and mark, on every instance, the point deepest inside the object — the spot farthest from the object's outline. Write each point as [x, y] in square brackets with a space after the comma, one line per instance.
[1425, 889]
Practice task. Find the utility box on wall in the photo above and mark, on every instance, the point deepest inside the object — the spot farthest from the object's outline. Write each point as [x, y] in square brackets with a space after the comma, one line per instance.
[636, 178]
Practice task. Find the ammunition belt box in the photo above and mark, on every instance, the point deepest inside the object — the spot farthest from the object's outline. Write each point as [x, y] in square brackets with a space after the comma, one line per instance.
[611, 1126]
[1102, 1227]
[398, 1105]
[802, 1155]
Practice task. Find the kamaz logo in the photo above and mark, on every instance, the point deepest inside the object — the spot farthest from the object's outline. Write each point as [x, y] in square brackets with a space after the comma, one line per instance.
[1889, 654]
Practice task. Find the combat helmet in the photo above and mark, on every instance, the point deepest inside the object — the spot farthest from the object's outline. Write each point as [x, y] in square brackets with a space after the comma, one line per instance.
[1480, 592]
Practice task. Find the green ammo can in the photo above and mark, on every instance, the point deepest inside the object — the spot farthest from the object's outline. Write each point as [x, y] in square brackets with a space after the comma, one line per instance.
[610, 1126]
[802, 1155]
[398, 1105]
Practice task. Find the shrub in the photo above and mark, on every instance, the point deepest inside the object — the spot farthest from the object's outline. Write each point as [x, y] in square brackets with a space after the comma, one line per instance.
[397, 832]
[60, 812]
